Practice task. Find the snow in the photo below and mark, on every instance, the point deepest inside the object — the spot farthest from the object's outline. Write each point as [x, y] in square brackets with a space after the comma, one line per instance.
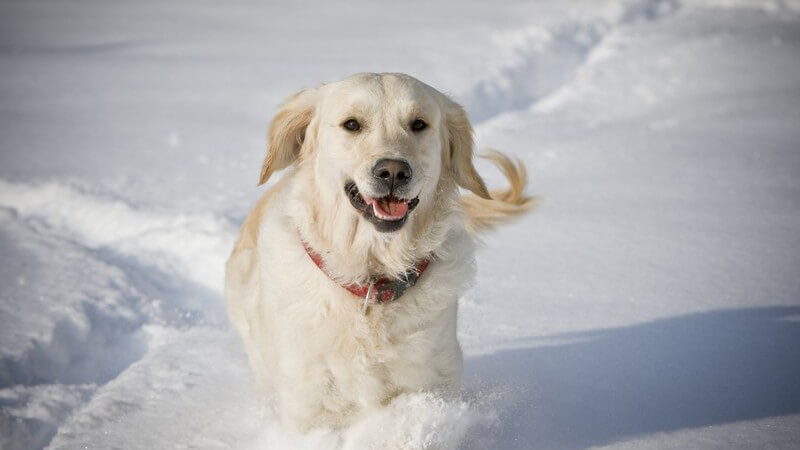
[652, 301]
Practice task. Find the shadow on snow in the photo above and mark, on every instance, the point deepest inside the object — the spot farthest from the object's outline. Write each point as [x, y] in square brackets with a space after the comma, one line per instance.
[683, 372]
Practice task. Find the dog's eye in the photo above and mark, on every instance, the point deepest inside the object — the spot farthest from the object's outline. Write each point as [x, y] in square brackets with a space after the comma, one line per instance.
[418, 125]
[351, 125]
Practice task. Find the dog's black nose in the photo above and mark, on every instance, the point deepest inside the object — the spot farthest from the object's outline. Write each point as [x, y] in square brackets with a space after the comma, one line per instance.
[392, 173]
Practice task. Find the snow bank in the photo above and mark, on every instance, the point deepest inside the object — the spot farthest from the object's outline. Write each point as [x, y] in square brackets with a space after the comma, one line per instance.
[69, 323]
[191, 246]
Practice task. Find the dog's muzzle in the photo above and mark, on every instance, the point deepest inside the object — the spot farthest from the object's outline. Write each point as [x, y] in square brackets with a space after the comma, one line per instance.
[388, 213]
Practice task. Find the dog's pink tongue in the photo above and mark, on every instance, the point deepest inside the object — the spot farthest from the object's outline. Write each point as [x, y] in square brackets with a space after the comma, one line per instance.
[395, 209]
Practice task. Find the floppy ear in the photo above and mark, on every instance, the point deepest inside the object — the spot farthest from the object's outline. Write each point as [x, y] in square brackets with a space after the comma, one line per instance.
[459, 138]
[287, 132]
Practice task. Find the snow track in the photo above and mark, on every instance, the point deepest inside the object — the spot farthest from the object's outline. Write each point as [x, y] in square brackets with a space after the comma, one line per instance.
[117, 270]
[77, 328]
[545, 59]
[184, 245]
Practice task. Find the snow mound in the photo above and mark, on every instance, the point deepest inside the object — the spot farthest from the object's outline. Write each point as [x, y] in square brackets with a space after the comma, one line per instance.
[69, 323]
[188, 245]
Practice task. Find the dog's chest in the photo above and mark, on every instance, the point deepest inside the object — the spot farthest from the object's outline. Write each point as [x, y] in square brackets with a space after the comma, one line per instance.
[376, 357]
[323, 343]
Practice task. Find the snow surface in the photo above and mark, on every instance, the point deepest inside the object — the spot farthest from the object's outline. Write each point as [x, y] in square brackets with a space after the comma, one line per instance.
[653, 300]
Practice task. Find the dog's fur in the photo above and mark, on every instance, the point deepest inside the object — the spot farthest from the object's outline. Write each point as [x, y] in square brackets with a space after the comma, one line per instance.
[312, 351]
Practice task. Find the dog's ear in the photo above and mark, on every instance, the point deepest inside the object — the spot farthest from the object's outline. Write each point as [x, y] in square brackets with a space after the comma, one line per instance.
[460, 143]
[287, 132]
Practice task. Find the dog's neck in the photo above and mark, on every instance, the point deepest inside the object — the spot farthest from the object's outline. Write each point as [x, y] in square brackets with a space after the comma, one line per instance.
[352, 249]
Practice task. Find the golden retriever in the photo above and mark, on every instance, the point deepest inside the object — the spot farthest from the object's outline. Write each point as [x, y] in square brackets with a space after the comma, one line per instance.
[345, 279]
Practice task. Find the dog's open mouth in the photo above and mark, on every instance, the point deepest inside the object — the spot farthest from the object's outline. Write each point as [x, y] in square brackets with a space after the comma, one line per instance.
[387, 213]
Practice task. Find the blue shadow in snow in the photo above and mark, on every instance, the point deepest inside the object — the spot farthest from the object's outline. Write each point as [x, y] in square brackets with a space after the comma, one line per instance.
[683, 372]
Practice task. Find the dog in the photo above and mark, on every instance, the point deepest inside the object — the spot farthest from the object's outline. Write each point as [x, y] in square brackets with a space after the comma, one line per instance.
[345, 278]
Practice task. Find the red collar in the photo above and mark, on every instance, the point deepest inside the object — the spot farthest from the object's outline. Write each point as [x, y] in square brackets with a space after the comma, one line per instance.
[384, 290]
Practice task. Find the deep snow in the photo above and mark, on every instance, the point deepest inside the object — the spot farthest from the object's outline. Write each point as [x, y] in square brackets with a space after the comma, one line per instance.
[652, 301]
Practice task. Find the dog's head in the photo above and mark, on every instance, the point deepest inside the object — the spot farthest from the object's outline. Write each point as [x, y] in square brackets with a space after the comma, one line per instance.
[382, 142]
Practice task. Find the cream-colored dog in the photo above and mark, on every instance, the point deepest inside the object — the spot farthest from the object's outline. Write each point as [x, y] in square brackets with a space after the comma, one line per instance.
[345, 278]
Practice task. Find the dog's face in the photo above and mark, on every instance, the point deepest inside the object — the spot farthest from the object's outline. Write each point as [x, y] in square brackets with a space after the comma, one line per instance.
[380, 145]
[380, 141]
